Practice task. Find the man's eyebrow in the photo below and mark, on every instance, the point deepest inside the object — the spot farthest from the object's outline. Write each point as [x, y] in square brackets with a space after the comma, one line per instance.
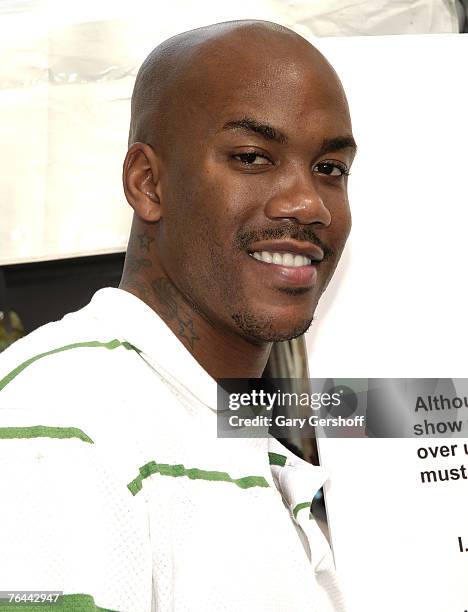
[263, 129]
[270, 133]
[337, 144]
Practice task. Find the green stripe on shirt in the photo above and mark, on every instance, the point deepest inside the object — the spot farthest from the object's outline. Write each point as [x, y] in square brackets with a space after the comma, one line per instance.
[277, 459]
[42, 431]
[112, 344]
[66, 603]
[246, 482]
[300, 507]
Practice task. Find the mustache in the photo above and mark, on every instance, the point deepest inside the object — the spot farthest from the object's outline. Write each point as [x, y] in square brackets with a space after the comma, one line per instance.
[302, 233]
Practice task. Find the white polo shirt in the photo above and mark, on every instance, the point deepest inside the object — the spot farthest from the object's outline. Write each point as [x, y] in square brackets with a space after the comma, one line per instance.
[117, 491]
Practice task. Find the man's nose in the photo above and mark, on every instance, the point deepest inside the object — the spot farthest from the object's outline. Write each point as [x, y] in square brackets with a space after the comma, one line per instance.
[300, 200]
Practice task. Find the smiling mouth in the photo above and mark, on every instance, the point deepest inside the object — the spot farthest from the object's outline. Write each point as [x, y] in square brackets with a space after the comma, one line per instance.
[287, 265]
[289, 260]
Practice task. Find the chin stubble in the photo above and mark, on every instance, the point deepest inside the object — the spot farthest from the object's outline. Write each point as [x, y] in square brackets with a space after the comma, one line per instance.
[259, 330]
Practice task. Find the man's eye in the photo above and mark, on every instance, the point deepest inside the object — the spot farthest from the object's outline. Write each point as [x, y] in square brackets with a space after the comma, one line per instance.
[251, 159]
[331, 169]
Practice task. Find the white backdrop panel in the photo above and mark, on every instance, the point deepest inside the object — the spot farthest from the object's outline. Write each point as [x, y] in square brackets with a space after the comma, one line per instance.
[397, 308]
[398, 302]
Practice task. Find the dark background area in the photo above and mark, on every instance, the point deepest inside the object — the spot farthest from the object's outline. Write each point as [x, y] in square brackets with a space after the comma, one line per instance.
[45, 291]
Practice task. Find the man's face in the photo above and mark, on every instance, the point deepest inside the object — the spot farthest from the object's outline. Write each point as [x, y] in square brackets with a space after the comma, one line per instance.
[255, 209]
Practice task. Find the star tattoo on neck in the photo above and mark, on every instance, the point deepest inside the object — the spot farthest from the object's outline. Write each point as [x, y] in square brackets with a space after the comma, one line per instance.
[145, 241]
[186, 332]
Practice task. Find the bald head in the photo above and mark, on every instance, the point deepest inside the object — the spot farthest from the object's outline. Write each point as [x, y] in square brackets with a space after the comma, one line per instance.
[180, 75]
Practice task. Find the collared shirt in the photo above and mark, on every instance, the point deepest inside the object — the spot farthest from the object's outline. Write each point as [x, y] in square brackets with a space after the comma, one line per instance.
[119, 492]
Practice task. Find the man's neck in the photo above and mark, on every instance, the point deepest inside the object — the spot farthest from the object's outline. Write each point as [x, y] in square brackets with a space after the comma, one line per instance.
[222, 353]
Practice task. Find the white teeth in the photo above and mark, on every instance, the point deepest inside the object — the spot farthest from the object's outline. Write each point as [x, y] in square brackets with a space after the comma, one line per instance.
[277, 258]
[282, 259]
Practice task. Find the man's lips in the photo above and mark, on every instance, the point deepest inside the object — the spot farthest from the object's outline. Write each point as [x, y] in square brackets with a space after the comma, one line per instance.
[290, 268]
[296, 247]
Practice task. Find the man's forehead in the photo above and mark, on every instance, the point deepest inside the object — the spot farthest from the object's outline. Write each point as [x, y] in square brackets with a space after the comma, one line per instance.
[281, 110]
[265, 89]
[215, 69]
[202, 77]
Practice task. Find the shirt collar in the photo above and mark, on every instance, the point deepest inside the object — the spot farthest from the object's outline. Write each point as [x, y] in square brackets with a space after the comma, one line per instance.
[142, 327]
[297, 479]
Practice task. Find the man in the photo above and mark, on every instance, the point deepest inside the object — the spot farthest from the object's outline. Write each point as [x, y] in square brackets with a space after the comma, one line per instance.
[240, 147]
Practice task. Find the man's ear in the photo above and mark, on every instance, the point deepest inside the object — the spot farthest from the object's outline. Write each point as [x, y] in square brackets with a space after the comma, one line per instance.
[141, 181]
